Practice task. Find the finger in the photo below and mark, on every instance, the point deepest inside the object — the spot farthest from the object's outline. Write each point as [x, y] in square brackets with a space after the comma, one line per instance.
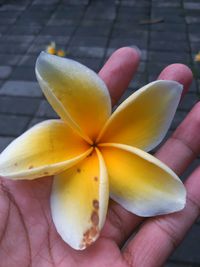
[118, 71]
[159, 236]
[120, 223]
[184, 145]
[177, 72]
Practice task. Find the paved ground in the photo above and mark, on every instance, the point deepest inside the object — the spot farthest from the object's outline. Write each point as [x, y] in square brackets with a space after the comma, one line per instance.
[89, 31]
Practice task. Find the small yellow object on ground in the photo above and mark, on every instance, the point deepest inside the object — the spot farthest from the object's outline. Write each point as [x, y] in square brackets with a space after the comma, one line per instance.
[51, 49]
[197, 57]
[60, 53]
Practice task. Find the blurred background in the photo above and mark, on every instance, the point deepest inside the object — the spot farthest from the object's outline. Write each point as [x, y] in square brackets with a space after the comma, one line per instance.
[89, 31]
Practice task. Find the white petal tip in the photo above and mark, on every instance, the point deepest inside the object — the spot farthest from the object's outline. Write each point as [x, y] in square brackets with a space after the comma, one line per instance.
[174, 85]
[170, 207]
[78, 242]
[89, 237]
[43, 59]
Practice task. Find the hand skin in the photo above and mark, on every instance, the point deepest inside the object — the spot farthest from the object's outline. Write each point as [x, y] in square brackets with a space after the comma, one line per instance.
[28, 236]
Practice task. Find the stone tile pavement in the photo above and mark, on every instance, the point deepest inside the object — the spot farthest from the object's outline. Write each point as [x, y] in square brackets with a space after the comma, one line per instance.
[90, 30]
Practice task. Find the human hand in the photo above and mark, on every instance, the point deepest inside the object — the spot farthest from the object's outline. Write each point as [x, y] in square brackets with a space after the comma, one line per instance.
[27, 233]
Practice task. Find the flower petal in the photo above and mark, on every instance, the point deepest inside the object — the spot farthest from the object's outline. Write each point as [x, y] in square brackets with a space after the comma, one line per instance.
[141, 183]
[47, 148]
[143, 119]
[76, 93]
[79, 201]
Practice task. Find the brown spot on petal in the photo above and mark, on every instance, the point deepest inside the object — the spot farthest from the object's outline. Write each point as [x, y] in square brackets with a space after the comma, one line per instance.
[95, 218]
[95, 204]
[78, 170]
[89, 237]
[16, 164]
[86, 234]
[94, 231]
[96, 178]
[30, 167]
[46, 173]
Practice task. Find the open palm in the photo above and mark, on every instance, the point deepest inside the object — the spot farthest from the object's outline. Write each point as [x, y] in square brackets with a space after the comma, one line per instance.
[28, 236]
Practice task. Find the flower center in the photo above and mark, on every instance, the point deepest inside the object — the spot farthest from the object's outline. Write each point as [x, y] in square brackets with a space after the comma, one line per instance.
[94, 144]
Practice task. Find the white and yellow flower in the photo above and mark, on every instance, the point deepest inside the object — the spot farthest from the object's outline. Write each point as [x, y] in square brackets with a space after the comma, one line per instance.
[92, 153]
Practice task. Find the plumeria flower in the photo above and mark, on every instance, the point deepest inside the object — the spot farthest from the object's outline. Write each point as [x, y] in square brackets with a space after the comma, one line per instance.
[93, 153]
